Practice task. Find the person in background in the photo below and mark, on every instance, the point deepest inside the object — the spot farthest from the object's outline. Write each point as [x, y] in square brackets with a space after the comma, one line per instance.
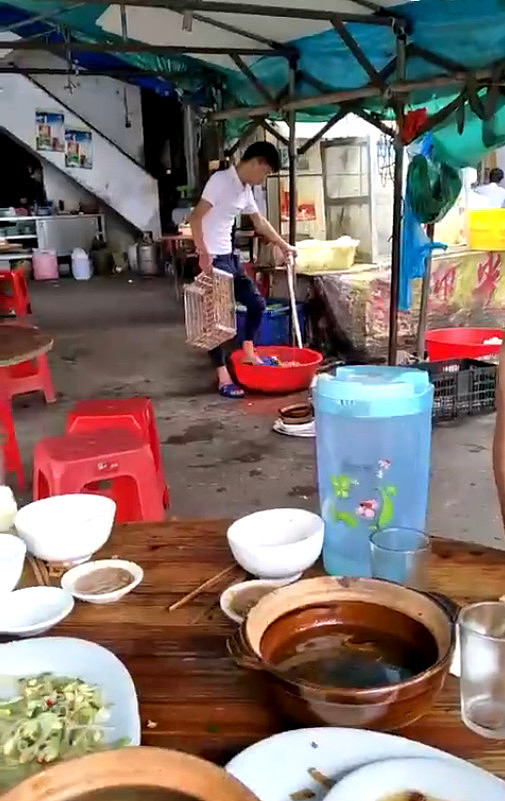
[492, 191]
[499, 435]
[229, 193]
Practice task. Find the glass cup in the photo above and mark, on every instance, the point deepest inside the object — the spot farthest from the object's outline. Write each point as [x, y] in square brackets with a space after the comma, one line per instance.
[400, 555]
[482, 685]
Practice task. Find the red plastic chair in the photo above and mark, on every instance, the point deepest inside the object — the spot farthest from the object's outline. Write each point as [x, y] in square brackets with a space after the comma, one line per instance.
[136, 414]
[114, 462]
[12, 458]
[14, 295]
[31, 376]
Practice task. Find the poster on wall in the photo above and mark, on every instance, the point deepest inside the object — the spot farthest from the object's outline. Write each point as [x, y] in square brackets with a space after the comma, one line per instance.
[49, 131]
[79, 148]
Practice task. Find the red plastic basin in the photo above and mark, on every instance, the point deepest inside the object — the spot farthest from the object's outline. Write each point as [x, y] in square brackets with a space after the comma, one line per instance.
[275, 379]
[461, 343]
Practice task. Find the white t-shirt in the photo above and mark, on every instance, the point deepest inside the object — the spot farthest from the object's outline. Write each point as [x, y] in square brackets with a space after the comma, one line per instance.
[229, 197]
[494, 193]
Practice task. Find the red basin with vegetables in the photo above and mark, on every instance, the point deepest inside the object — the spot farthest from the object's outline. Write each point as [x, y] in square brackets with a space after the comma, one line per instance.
[295, 372]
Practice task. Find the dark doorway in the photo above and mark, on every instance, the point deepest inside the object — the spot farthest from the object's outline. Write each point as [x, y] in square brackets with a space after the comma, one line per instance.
[22, 179]
[164, 150]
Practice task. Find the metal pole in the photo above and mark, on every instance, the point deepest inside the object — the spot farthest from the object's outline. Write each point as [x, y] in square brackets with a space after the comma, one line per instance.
[291, 120]
[397, 207]
[425, 291]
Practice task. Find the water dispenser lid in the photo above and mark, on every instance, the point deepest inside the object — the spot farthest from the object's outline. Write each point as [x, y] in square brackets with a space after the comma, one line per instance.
[374, 390]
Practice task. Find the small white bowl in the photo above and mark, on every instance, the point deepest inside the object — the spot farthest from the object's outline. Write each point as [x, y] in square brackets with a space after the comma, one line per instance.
[66, 529]
[277, 543]
[71, 577]
[12, 559]
[235, 590]
[33, 610]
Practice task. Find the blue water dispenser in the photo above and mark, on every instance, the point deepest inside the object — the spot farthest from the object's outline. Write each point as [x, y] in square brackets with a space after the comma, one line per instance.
[373, 432]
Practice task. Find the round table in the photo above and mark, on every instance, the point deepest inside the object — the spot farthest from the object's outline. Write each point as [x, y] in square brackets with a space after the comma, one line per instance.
[20, 343]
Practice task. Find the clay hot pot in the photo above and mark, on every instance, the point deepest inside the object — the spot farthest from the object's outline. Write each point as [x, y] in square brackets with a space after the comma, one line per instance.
[286, 618]
[136, 774]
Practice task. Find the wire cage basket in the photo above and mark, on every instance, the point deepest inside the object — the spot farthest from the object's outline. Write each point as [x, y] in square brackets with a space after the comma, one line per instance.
[209, 310]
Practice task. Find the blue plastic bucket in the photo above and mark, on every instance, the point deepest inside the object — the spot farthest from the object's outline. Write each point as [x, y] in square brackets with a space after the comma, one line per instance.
[275, 328]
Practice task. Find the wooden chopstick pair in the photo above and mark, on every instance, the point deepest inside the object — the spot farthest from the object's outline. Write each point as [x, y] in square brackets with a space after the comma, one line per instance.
[201, 588]
[40, 571]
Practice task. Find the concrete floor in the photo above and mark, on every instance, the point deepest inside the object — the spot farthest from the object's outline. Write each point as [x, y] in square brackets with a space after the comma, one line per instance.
[117, 337]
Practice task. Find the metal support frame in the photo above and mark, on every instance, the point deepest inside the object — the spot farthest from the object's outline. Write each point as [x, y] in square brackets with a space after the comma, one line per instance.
[47, 15]
[131, 46]
[251, 77]
[384, 18]
[243, 136]
[273, 132]
[397, 207]
[291, 120]
[425, 291]
[352, 45]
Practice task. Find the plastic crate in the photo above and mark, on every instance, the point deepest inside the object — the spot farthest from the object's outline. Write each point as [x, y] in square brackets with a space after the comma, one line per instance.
[463, 387]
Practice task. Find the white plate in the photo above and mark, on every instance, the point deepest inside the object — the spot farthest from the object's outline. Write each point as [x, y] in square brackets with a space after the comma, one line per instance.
[66, 656]
[436, 778]
[33, 610]
[332, 751]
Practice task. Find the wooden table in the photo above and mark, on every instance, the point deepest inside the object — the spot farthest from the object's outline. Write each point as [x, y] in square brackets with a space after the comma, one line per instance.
[20, 343]
[192, 697]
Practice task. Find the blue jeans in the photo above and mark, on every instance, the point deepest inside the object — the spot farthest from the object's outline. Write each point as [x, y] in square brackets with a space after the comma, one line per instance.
[247, 294]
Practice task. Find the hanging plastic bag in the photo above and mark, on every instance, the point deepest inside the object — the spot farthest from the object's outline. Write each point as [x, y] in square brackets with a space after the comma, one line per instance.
[432, 188]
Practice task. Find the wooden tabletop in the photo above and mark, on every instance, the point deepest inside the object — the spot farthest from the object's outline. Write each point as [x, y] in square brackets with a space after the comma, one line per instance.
[21, 343]
[192, 696]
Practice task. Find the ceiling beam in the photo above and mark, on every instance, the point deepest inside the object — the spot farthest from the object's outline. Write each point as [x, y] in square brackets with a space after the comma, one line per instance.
[225, 26]
[223, 7]
[353, 46]
[77, 71]
[131, 46]
[361, 93]
[251, 77]
[47, 15]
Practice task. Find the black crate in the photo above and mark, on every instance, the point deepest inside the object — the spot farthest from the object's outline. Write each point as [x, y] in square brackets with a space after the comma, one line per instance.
[462, 387]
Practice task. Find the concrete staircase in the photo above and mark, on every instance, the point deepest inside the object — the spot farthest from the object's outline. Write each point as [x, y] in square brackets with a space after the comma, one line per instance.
[115, 178]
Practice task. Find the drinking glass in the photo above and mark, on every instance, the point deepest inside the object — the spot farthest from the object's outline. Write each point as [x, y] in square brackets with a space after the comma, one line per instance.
[400, 555]
[482, 684]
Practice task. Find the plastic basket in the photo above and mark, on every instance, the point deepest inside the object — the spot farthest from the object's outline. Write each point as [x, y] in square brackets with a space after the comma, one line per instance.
[462, 387]
[209, 310]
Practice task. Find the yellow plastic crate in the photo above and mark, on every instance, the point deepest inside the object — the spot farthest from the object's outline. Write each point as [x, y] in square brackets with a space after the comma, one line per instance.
[486, 229]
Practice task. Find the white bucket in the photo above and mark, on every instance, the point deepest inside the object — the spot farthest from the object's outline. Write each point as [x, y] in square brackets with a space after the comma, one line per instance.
[81, 265]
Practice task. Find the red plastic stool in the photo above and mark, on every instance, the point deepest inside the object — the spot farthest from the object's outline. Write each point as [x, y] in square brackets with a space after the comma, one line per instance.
[110, 461]
[14, 295]
[31, 376]
[136, 414]
[12, 458]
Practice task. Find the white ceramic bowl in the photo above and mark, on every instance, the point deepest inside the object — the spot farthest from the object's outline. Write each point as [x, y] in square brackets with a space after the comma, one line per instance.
[12, 558]
[70, 578]
[235, 591]
[277, 543]
[66, 529]
[34, 610]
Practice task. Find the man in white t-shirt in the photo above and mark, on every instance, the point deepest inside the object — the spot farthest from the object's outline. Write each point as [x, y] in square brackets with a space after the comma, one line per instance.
[493, 192]
[227, 194]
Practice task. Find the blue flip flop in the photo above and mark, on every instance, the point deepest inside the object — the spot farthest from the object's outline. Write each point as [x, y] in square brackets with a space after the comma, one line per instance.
[231, 391]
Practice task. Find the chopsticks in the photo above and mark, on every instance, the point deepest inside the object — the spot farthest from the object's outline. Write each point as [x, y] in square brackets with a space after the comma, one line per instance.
[201, 588]
[40, 572]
